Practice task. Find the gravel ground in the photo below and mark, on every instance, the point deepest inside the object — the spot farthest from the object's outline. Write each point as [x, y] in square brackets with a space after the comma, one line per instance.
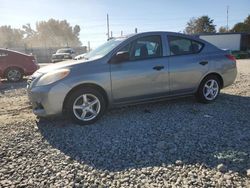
[178, 143]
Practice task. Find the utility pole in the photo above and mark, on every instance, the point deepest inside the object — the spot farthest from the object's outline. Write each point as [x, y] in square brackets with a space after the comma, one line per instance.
[108, 26]
[227, 18]
[136, 30]
[88, 46]
[121, 33]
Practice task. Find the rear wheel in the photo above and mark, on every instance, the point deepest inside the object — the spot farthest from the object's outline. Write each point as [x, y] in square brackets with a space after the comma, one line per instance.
[85, 106]
[209, 89]
[14, 74]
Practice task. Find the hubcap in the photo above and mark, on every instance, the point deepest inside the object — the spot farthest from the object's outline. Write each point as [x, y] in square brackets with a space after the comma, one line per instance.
[211, 89]
[86, 107]
[14, 75]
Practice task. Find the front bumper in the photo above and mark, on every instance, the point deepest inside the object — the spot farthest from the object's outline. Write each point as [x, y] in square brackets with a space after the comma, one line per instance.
[48, 100]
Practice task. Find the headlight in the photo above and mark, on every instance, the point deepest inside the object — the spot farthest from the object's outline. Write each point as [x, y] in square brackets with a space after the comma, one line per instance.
[36, 74]
[52, 77]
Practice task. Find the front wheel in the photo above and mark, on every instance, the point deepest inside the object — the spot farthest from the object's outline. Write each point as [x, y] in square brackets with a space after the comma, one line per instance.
[14, 75]
[85, 106]
[209, 89]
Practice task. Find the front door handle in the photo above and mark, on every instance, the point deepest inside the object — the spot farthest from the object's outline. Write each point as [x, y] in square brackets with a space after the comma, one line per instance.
[158, 67]
[203, 63]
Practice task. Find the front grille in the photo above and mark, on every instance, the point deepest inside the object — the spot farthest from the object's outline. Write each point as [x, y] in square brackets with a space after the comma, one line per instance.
[33, 78]
[30, 80]
[58, 57]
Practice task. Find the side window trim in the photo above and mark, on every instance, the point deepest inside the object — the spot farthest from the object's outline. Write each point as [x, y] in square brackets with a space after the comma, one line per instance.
[192, 40]
[132, 47]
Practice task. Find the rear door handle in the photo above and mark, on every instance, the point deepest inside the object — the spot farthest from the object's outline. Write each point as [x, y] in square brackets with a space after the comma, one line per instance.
[203, 62]
[158, 67]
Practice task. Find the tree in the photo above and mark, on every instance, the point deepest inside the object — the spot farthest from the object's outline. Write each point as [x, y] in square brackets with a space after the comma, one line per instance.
[51, 33]
[29, 32]
[57, 33]
[203, 24]
[242, 26]
[10, 37]
[29, 35]
[190, 29]
[222, 29]
[77, 30]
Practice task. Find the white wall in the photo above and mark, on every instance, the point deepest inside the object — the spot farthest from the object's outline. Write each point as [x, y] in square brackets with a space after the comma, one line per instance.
[227, 41]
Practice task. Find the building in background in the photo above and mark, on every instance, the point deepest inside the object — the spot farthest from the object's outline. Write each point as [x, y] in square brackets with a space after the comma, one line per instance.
[237, 43]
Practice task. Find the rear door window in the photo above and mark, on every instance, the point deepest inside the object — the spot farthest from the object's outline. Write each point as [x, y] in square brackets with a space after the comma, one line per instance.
[183, 46]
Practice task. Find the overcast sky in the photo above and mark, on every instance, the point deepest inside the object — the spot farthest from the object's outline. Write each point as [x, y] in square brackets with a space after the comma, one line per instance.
[124, 15]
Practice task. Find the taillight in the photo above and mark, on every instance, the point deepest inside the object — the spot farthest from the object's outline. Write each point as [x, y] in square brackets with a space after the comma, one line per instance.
[231, 57]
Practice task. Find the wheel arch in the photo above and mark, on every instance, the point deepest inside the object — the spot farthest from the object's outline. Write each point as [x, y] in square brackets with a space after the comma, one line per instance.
[214, 74]
[89, 85]
[12, 67]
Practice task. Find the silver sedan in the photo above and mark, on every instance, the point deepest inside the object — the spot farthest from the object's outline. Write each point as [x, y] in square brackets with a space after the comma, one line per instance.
[132, 69]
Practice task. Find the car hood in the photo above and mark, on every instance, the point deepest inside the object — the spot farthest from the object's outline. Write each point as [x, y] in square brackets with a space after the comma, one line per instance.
[60, 54]
[61, 65]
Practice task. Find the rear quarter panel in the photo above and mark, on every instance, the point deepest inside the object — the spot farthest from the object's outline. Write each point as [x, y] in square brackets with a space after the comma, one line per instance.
[226, 68]
[220, 64]
[24, 62]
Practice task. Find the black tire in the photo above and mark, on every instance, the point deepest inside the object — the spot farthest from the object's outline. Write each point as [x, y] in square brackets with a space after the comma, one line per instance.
[74, 96]
[14, 74]
[200, 94]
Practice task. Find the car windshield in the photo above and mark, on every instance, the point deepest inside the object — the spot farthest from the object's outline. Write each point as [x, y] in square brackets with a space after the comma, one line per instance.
[63, 51]
[104, 49]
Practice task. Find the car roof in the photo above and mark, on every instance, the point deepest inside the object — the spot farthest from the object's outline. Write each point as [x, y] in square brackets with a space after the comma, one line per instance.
[13, 51]
[166, 33]
[163, 32]
[67, 48]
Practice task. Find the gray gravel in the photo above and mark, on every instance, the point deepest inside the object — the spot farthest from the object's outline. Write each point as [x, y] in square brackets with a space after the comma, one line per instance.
[178, 143]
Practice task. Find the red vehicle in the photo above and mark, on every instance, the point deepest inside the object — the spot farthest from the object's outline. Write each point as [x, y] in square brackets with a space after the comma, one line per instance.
[14, 65]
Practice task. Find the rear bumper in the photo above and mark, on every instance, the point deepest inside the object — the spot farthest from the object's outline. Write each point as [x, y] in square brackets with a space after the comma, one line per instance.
[48, 100]
[229, 77]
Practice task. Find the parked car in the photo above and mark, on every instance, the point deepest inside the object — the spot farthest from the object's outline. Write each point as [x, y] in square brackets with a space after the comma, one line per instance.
[79, 57]
[62, 55]
[130, 70]
[14, 65]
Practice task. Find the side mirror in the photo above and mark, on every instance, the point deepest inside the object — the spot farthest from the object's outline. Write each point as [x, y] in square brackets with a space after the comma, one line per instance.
[120, 57]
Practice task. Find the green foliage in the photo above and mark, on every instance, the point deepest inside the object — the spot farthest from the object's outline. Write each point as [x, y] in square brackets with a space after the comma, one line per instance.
[242, 26]
[203, 24]
[222, 29]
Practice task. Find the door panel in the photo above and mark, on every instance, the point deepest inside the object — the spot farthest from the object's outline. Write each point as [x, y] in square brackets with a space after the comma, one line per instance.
[185, 72]
[186, 65]
[144, 75]
[139, 80]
